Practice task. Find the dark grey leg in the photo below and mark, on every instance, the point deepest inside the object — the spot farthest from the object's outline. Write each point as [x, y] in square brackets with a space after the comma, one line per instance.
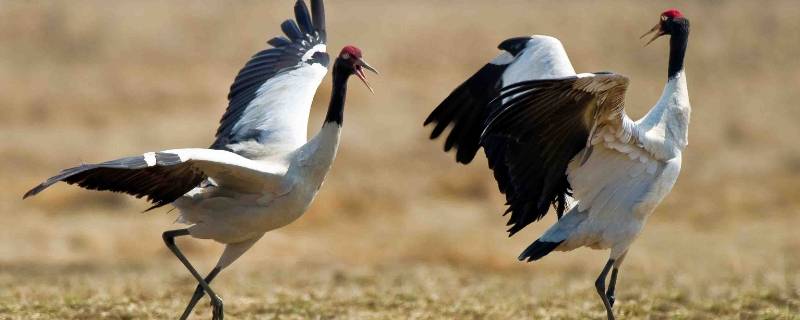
[198, 293]
[600, 284]
[216, 302]
[613, 282]
[612, 285]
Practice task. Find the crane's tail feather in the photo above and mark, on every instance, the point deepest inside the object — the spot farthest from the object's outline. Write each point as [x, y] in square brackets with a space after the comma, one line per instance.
[537, 250]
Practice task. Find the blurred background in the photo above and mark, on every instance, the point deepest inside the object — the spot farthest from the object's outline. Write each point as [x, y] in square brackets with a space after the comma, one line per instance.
[398, 230]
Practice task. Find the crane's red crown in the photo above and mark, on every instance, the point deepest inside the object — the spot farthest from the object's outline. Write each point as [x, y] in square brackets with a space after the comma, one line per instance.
[350, 51]
[672, 13]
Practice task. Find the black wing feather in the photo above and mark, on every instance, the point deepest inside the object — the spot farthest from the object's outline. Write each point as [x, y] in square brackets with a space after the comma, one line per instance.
[162, 183]
[303, 18]
[279, 42]
[466, 110]
[289, 27]
[318, 16]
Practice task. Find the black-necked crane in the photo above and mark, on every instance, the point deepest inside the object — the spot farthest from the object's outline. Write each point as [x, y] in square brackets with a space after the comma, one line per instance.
[261, 173]
[556, 138]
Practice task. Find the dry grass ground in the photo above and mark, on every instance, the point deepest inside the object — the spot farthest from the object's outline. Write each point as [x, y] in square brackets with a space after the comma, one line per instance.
[398, 231]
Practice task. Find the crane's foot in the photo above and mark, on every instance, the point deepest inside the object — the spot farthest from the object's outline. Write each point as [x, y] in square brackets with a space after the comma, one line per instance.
[216, 305]
[198, 294]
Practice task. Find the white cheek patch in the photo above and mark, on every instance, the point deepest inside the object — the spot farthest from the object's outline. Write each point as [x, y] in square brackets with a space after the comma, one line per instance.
[150, 158]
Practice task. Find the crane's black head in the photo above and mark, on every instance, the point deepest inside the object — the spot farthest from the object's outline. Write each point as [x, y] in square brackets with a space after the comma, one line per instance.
[672, 22]
[351, 62]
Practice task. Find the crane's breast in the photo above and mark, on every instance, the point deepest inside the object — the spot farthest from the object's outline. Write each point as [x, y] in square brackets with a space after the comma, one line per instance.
[617, 177]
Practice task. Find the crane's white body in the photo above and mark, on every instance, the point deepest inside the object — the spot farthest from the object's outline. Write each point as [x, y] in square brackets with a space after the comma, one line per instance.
[629, 170]
[288, 184]
[231, 215]
[295, 169]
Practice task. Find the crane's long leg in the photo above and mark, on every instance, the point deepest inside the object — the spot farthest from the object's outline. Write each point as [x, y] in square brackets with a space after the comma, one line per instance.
[600, 285]
[612, 285]
[198, 293]
[169, 240]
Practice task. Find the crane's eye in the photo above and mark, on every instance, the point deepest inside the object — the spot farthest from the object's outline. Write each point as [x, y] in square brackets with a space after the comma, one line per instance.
[346, 56]
[663, 18]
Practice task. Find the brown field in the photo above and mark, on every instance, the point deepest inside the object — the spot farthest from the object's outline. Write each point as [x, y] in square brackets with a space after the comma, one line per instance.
[398, 231]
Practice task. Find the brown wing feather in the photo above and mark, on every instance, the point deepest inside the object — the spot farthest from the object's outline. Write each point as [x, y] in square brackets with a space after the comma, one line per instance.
[551, 121]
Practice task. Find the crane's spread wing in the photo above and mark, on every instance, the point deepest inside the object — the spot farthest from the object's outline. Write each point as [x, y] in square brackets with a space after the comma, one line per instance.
[550, 122]
[467, 109]
[165, 176]
[270, 99]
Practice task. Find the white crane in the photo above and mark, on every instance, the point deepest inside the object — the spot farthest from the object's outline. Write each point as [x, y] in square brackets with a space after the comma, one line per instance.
[550, 135]
[261, 173]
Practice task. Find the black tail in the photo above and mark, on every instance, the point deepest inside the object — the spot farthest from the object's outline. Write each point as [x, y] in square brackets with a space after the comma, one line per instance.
[537, 250]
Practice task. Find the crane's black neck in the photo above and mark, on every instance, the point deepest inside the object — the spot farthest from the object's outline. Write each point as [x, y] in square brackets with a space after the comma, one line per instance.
[341, 72]
[679, 39]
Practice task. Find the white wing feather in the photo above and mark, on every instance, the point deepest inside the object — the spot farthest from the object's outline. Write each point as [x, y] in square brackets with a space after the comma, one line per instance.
[282, 106]
[543, 58]
[233, 171]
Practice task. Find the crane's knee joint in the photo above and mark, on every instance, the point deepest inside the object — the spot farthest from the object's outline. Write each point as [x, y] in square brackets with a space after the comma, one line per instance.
[600, 285]
[169, 236]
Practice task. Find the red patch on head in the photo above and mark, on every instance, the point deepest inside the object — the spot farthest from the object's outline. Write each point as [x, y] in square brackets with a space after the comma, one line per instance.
[672, 14]
[351, 51]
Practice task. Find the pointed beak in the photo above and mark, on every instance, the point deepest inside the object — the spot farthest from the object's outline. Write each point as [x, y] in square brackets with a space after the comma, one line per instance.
[658, 33]
[360, 66]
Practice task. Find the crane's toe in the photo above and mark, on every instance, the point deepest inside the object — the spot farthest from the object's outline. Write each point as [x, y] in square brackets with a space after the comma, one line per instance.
[217, 310]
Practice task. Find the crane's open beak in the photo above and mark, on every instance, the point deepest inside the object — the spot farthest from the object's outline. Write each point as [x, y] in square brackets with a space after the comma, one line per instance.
[360, 66]
[657, 30]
